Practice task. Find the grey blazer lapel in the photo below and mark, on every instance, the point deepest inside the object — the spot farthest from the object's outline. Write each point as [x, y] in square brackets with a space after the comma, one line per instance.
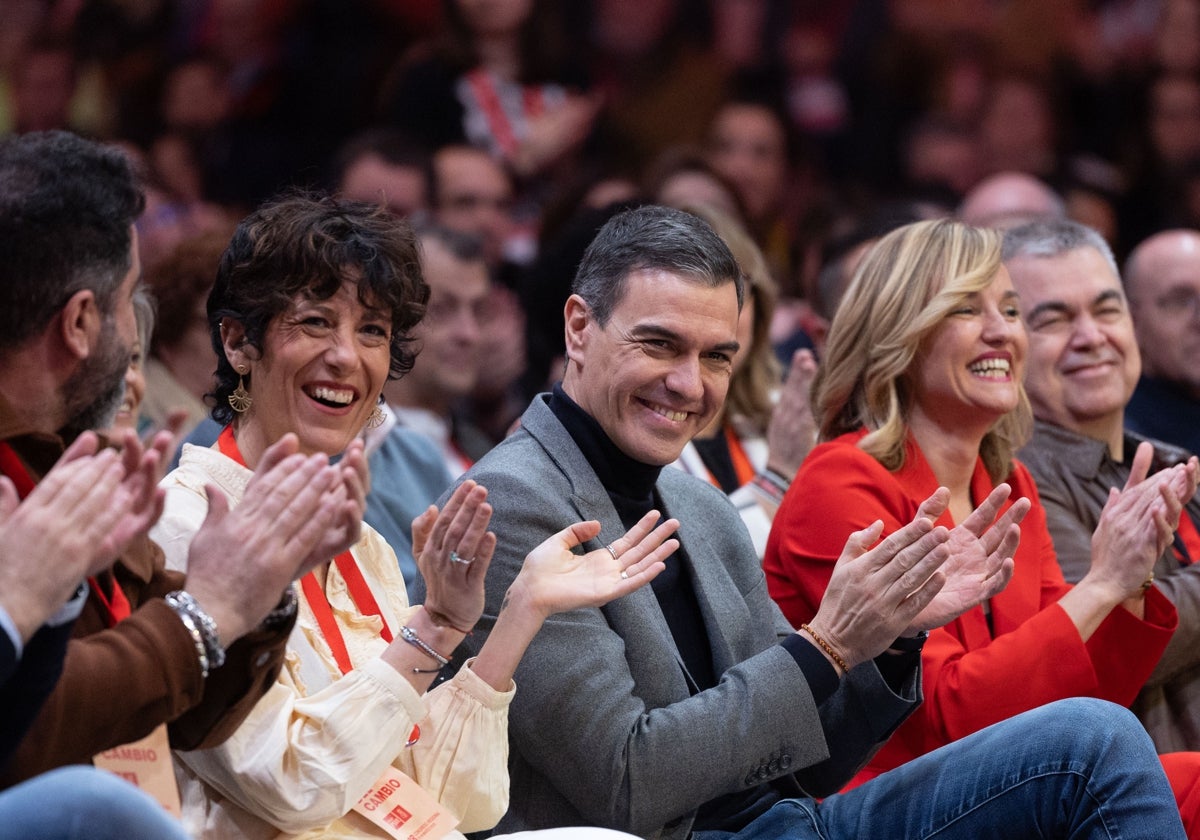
[654, 660]
[721, 603]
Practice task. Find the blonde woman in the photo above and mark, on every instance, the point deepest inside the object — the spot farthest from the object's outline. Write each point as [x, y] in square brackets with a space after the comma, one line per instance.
[921, 388]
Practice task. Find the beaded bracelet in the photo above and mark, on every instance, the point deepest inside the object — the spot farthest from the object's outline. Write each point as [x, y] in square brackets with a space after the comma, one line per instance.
[771, 483]
[410, 635]
[828, 648]
[767, 487]
[197, 640]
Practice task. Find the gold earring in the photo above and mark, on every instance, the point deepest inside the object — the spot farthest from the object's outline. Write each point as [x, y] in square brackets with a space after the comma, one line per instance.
[376, 419]
[240, 400]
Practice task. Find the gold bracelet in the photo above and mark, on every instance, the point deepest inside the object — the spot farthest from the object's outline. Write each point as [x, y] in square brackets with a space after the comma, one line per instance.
[1147, 583]
[828, 648]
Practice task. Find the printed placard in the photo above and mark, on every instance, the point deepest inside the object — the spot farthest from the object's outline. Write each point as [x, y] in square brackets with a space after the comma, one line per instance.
[147, 765]
[404, 810]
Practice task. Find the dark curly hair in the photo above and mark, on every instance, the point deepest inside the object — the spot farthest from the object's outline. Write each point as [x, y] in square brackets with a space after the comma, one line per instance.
[307, 244]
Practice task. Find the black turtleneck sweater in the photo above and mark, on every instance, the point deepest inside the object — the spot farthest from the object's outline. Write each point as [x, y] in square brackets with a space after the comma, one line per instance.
[631, 487]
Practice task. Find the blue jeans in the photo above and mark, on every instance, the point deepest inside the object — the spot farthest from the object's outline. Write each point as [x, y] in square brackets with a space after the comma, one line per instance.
[1076, 768]
[83, 803]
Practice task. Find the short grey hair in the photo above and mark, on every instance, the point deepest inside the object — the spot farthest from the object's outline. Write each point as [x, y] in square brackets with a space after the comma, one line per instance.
[657, 239]
[1053, 238]
[145, 311]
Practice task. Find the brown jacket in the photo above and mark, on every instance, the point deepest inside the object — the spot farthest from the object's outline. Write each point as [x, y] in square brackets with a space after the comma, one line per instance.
[1073, 475]
[119, 683]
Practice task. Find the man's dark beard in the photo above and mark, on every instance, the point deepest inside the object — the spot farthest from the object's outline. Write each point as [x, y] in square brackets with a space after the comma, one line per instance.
[94, 392]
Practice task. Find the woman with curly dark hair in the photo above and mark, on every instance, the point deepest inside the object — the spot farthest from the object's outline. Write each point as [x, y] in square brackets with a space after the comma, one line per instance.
[311, 313]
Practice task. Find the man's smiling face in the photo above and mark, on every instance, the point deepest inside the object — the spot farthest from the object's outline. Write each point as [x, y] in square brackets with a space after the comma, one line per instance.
[657, 372]
[1083, 357]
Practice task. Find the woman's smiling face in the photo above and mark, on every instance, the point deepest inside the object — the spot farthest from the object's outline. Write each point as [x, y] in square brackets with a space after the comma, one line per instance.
[321, 370]
[971, 368]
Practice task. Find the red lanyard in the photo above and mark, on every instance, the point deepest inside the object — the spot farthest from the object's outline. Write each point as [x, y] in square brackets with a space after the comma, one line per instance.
[116, 605]
[1187, 534]
[12, 467]
[361, 594]
[484, 88]
[742, 468]
[741, 461]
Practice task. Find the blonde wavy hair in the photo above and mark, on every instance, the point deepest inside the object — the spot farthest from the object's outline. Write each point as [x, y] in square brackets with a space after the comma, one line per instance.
[752, 387]
[901, 292]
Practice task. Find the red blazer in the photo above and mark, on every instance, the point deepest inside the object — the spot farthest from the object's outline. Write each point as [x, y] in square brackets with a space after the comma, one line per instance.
[973, 676]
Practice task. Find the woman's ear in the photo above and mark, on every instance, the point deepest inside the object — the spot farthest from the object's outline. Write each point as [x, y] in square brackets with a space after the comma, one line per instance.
[233, 339]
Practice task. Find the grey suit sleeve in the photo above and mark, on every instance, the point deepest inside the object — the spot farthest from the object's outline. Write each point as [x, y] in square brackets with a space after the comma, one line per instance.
[858, 719]
[624, 765]
[635, 757]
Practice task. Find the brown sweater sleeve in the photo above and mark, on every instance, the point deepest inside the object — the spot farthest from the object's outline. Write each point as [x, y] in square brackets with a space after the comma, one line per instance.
[119, 683]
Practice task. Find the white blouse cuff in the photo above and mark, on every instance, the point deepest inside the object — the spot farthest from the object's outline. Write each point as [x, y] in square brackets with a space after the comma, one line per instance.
[468, 681]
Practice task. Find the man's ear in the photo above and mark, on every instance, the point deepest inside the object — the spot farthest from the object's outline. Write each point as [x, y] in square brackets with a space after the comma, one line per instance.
[80, 323]
[578, 317]
[233, 338]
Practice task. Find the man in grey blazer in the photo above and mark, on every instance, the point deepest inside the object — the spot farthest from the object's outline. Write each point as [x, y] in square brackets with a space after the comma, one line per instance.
[690, 705]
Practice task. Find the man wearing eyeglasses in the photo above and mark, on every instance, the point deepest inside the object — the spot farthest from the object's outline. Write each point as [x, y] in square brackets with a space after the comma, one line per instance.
[1162, 279]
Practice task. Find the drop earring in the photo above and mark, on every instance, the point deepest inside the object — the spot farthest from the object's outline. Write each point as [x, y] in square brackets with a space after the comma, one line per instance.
[376, 419]
[240, 400]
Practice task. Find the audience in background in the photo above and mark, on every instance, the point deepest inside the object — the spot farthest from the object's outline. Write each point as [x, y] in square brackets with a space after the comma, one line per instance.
[753, 446]
[1162, 281]
[128, 415]
[383, 166]
[180, 363]
[1006, 199]
[503, 79]
[429, 399]
[528, 123]
[684, 177]
[474, 194]
[748, 144]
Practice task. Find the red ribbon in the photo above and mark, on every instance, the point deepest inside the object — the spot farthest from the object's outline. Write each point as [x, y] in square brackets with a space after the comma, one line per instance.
[737, 453]
[360, 593]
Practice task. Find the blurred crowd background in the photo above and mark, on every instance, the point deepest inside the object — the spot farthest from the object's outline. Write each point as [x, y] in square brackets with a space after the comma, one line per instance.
[810, 119]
